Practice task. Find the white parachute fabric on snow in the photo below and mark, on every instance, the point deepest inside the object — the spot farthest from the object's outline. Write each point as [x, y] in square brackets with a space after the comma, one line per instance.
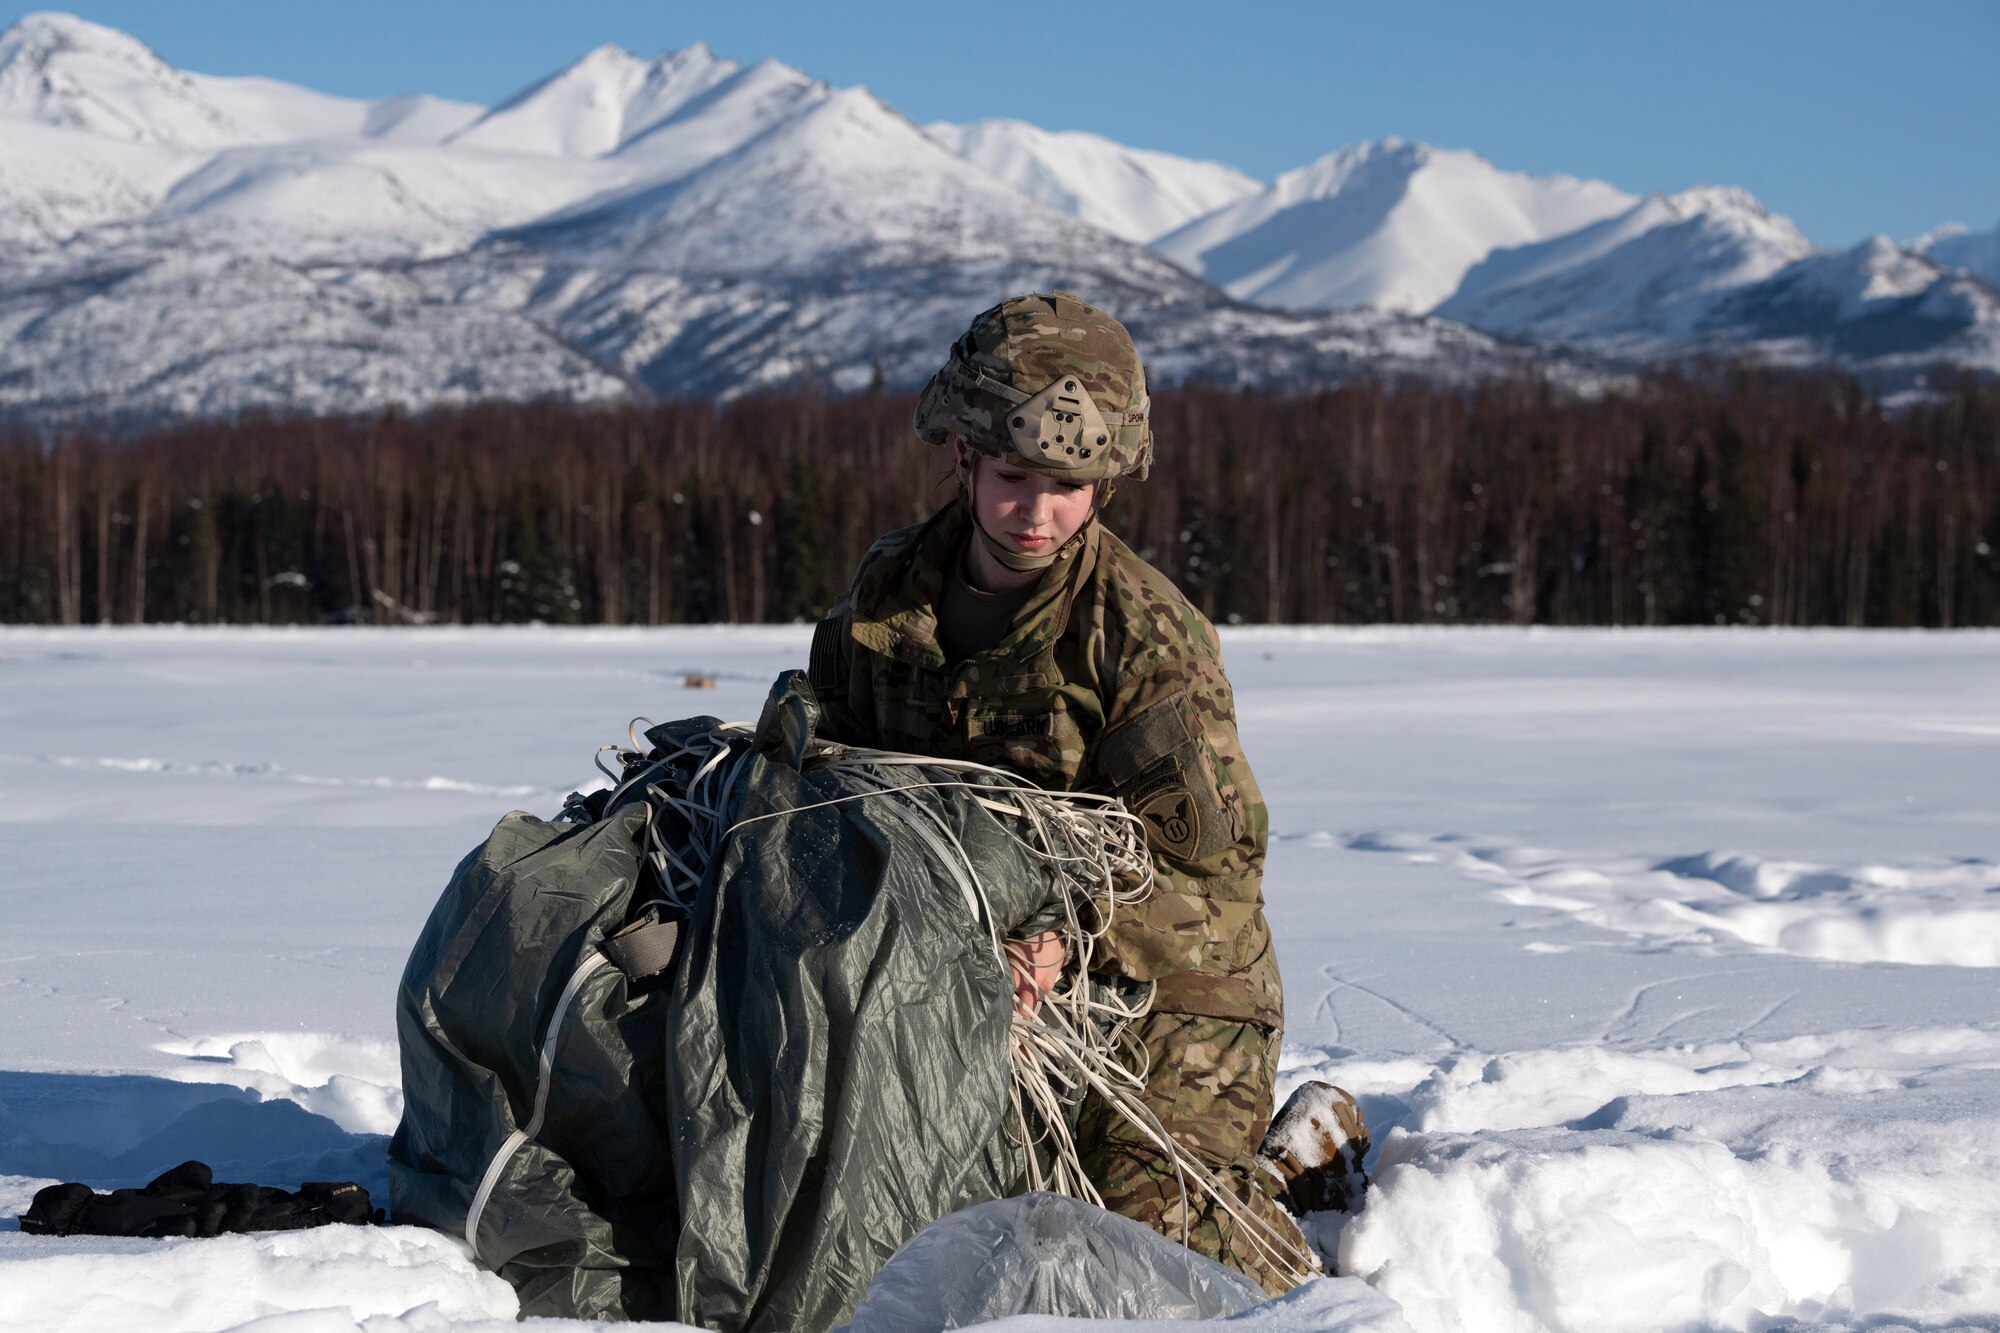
[1044, 1254]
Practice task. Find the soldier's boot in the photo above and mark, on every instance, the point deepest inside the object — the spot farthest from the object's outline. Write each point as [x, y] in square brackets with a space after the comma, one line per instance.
[1316, 1146]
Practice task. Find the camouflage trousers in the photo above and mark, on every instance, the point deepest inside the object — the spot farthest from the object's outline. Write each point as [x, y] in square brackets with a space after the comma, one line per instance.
[1210, 1081]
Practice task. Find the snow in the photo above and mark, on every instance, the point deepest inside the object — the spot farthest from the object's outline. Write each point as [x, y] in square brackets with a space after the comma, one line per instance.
[353, 198]
[1654, 270]
[1955, 246]
[1901, 310]
[1662, 962]
[208, 332]
[65, 71]
[55, 182]
[1946, 912]
[334, 1277]
[728, 115]
[1392, 224]
[685, 225]
[176, 243]
[417, 118]
[1129, 192]
[600, 102]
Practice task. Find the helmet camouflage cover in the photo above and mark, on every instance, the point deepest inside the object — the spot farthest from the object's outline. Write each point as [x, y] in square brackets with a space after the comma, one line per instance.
[1048, 384]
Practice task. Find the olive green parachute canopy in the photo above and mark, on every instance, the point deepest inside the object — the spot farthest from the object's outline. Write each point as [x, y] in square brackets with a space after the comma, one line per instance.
[1047, 383]
[737, 1124]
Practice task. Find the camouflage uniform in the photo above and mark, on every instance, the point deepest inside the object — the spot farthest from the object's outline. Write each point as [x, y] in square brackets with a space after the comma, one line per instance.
[1109, 681]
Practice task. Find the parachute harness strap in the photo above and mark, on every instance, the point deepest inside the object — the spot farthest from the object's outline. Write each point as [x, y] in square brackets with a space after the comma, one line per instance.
[1079, 1037]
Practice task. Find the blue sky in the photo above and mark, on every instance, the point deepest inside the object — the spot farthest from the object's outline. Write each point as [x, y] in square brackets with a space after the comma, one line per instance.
[1852, 118]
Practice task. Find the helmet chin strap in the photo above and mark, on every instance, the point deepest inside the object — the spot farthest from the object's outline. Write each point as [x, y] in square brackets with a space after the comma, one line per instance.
[1008, 557]
[1014, 560]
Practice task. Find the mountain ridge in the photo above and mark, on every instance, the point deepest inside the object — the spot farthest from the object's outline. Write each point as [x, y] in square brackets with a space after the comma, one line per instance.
[1135, 193]
[1391, 224]
[692, 224]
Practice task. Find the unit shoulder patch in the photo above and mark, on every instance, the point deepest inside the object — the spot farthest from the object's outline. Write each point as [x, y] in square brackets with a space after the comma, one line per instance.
[1173, 819]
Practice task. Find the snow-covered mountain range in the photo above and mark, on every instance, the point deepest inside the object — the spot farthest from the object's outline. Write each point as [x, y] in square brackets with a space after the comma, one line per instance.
[177, 243]
[1649, 270]
[1393, 225]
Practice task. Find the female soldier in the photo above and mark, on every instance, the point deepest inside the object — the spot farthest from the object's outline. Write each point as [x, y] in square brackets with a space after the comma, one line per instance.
[1012, 629]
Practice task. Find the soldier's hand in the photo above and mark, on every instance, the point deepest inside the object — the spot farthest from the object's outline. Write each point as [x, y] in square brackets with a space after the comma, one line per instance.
[1037, 965]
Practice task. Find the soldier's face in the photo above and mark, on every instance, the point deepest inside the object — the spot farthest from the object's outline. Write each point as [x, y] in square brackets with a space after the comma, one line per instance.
[1027, 512]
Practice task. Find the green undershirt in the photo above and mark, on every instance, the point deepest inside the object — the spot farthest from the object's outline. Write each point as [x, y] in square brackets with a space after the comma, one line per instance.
[970, 621]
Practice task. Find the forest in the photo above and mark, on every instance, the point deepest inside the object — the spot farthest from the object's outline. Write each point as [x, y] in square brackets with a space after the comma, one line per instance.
[1700, 496]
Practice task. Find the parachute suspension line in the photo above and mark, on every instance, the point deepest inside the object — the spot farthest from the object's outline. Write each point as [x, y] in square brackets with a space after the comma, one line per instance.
[687, 786]
[1077, 1029]
[1078, 1040]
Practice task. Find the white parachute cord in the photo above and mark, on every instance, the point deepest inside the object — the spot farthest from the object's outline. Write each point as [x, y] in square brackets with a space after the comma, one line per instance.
[1026, 1092]
[1283, 1253]
[1086, 1030]
[632, 751]
[598, 759]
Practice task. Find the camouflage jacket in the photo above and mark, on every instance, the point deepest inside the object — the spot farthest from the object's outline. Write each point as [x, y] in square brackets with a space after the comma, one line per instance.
[1109, 681]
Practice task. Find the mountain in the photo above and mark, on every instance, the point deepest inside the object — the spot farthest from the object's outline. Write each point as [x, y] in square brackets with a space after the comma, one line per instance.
[1712, 270]
[1876, 305]
[1953, 246]
[344, 199]
[1129, 192]
[1651, 272]
[844, 244]
[98, 129]
[72, 74]
[137, 334]
[684, 225]
[56, 182]
[62, 71]
[173, 243]
[1393, 225]
[597, 104]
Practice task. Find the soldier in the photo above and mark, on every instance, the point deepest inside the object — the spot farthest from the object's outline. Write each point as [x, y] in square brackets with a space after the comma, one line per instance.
[1013, 629]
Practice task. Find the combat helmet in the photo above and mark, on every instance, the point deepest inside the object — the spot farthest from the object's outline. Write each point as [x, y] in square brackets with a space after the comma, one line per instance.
[1046, 383]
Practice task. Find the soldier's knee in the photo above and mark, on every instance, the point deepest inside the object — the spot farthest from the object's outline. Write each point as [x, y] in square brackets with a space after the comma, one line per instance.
[1246, 1230]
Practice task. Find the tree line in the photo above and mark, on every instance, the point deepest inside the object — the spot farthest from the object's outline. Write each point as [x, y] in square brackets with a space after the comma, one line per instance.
[1722, 495]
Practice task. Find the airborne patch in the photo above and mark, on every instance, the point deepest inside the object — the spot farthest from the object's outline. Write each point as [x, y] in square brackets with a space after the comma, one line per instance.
[1172, 819]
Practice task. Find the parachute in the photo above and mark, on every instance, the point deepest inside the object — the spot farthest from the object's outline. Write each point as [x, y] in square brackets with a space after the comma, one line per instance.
[714, 1044]
[1045, 1254]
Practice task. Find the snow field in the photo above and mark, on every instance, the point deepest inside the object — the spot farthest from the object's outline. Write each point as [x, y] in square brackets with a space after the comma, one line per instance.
[352, 1081]
[330, 1277]
[1704, 1186]
[1619, 1075]
[1943, 912]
